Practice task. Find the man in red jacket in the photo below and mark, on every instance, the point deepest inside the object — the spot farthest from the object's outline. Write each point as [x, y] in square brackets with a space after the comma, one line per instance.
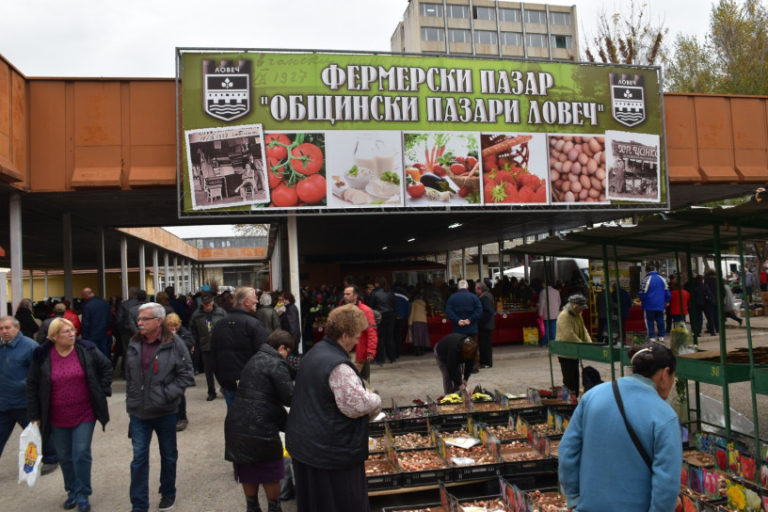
[369, 339]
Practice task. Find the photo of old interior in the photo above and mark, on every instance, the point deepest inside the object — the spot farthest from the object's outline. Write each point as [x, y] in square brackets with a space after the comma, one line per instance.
[227, 171]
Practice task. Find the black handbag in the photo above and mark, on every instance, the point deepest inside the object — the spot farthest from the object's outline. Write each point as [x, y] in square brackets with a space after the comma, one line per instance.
[631, 431]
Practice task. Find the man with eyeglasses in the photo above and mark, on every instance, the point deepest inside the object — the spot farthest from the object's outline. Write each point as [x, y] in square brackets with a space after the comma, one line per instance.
[235, 339]
[157, 370]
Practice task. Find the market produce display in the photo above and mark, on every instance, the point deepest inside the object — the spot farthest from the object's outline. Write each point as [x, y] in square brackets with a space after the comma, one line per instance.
[477, 453]
[379, 467]
[577, 168]
[412, 440]
[518, 451]
[547, 501]
[507, 175]
[441, 168]
[296, 169]
[420, 460]
[503, 432]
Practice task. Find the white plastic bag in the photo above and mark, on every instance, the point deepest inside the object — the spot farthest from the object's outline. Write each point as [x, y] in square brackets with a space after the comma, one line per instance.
[30, 454]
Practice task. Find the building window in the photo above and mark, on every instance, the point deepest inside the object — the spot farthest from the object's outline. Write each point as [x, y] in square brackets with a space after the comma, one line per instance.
[512, 39]
[484, 13]
[539, 17]
[457, 11]
[506, 14]
[560, 18]
[457, 35]
[485, 37]
[432, 34]
[432, 10]
[561, 42]
[536, 40]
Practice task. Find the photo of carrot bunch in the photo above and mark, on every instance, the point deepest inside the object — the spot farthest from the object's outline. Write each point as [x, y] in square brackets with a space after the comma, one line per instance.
[507, 178]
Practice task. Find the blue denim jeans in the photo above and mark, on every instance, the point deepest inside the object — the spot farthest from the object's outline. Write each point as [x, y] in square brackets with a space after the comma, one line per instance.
[550, 331]
[657, 318]
[73, 446]
[12, 417]
[141, 435]
[229, 395]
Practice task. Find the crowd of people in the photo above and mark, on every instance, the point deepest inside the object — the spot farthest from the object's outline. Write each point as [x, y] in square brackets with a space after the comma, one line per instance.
[58, 373]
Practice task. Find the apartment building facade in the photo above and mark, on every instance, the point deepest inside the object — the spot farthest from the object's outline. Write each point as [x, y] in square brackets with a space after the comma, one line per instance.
[488, 28]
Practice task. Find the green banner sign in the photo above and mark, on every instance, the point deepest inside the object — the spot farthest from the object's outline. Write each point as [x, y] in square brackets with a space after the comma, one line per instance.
[295, 132]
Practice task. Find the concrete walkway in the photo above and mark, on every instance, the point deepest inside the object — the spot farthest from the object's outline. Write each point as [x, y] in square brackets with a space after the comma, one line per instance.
[204, 479]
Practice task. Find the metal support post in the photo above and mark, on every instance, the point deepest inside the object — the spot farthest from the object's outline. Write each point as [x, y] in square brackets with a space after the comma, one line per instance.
[155, 269]
[101, 262]
[124, 266]
[293, 261]
[721, 333]
[66, 252]
[143, 268]
[17, 264]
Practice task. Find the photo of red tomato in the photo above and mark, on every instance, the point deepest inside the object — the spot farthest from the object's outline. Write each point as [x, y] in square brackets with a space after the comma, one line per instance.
[312, 189]
[284, 196]
[296, 169]
[307, 159]
[275, 144]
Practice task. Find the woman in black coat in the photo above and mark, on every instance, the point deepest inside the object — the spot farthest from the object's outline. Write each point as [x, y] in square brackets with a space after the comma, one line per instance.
[255, 419]
[68, 384]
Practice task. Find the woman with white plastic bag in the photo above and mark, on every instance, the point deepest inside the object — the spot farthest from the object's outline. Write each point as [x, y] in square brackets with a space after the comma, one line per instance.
[67, 388]
[30, 454]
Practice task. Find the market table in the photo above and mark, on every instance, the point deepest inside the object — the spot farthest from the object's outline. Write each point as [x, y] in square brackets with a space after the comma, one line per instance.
[509, 327]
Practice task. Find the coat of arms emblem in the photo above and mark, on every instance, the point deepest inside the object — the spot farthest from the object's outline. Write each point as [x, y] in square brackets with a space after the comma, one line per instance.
[627, 99]
[227, 88]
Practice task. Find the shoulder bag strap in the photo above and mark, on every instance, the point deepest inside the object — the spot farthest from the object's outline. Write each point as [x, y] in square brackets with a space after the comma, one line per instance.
[632, 434]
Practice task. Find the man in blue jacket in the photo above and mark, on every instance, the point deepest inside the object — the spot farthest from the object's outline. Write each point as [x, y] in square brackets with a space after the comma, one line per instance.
[15, 357]
[97, 316]
[464, 310]
[654, 295]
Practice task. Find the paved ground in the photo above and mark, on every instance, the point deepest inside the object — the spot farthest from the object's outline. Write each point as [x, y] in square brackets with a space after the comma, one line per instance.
[204, 479]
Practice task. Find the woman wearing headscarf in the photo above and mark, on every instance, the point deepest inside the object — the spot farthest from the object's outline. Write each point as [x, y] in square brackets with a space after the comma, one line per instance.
[327, 431]
[68, 384]
[601, 468]
[256, 417]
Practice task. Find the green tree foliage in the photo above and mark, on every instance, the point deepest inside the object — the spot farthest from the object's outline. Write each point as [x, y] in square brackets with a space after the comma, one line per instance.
[628, 38]
[733, 59]
[251, 229]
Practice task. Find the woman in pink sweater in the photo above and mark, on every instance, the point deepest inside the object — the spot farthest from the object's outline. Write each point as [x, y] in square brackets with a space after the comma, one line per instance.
[67, 388]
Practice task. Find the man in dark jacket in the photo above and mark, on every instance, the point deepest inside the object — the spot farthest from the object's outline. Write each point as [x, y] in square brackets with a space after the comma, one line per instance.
[486, 325]
[235, 339]
[464, 310]
[201, 324]
[455, 355]
[157, 370]
[97, 315]
[383, 301]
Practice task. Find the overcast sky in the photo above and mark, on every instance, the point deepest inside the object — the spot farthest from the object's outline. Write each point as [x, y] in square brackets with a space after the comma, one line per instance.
[109, 38]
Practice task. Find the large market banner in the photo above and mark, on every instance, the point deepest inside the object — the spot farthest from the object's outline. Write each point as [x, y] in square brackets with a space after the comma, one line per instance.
[287, 132]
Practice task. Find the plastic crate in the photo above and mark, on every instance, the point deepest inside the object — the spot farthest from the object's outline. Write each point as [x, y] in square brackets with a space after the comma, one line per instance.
[428, 477]
[477, 472]
[381, 482]
[525, 467]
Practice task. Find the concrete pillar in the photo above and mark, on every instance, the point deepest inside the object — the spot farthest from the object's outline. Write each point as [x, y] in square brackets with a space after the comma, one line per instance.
[501, 259]
[3, 293]
[155, 269]
[45, 284]
[143, 267]
[32, 284]
[463, 263]
[479, 262]
[17, 265]
[447, 266]
[166, 276]
[66, 252]
[293, 261]
[175, 271]
[101, 257]
[124, 266]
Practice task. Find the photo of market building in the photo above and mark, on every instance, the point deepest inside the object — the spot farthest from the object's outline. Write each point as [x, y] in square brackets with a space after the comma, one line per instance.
[91, 168]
